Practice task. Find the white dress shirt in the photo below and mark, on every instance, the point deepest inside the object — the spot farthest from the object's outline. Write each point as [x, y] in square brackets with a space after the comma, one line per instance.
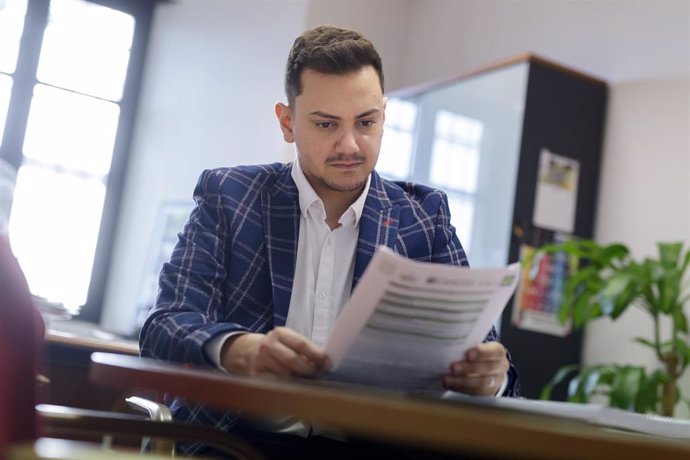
[325, 262]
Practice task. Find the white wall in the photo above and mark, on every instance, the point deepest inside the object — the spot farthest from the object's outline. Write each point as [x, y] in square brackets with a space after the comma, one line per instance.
[384, 22]
[645, 183]
[644, 198]
[618, 40]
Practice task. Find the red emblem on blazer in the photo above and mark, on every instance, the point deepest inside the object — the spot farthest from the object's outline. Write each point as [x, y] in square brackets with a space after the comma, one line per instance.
[388, 221]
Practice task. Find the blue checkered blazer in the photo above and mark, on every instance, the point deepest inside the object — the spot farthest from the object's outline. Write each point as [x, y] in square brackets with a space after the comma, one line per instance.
[233, 266]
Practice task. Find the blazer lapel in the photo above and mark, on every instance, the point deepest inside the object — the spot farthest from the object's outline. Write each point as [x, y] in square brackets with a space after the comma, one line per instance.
[280, 212]
[378, 225]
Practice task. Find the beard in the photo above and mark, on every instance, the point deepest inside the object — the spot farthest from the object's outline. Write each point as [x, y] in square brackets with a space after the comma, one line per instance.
[347, 186]
[336, 187]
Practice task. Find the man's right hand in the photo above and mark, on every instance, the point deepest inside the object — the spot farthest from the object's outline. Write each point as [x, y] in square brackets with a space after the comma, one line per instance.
[281, 352]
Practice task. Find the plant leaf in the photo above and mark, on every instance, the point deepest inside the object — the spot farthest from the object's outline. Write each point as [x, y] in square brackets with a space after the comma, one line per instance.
[579, 248]
[580, 310]
[613, 251]
[577, 282]
[579, 296]
[651, 274]
[610, 292]
[582, 386]
[625, 299]
[683, 350]
[645, 342]
[686, 262]
[681, 321]
[626, 387]
[558, 377]
[669, 290]
[648, 397]
[573, 385]
[669, 254]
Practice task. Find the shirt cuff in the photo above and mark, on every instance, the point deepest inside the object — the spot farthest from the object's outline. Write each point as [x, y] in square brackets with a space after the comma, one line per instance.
[214, 347]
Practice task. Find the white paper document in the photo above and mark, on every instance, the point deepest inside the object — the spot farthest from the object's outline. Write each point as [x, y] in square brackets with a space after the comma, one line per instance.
[407, 321]
[596, 414]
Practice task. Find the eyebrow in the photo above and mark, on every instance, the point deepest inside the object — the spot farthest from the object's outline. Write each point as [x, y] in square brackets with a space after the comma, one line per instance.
[328, 116]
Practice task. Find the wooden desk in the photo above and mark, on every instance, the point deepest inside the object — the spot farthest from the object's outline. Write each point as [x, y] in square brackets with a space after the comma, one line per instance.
[82, 335]
[67, 354]
[388, 417]
[92, 343]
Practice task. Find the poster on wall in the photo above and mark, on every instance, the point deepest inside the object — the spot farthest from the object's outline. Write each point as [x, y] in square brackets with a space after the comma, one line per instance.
[540, 290]
[555, 200]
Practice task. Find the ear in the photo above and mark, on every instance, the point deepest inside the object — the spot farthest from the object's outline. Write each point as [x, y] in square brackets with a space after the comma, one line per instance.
[284, 114]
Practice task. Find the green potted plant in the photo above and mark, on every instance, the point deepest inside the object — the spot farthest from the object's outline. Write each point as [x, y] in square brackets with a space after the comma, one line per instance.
[608, 282]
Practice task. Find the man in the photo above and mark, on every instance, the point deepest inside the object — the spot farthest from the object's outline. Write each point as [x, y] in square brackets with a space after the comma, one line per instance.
[271, 252]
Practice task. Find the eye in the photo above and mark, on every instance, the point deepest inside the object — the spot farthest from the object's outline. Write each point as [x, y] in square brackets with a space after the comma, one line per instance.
[324, 124]
[367, 123]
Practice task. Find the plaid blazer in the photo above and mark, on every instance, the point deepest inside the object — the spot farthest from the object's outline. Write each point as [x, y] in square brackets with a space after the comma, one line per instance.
[233, 266]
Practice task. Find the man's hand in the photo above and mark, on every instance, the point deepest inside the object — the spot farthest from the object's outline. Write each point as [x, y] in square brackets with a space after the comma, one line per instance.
[281, 352]
[481, 372]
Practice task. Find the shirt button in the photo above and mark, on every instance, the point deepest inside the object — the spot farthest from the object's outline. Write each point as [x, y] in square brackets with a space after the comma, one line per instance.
[328, 242]
[322, 295]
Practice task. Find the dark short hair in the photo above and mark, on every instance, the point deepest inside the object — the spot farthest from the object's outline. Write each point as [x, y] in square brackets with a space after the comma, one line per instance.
[329, 50]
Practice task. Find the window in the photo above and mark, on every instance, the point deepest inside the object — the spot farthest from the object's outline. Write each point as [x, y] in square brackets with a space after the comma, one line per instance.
[455, 152]
[5, 90]
[70, 103]
[395, 158]
[455, 167]
[12, 13]
[454, 141]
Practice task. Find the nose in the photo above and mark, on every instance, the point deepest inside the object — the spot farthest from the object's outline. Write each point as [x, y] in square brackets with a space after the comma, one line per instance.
[347, 143]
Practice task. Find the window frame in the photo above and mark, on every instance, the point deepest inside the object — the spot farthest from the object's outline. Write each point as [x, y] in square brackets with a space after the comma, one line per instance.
[24, 80]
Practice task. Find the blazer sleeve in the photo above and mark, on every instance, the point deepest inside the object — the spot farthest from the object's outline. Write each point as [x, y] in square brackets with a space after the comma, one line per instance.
[447, 249]
[191, 295]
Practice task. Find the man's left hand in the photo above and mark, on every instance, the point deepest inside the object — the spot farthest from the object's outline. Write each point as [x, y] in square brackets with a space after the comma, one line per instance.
[481, 372]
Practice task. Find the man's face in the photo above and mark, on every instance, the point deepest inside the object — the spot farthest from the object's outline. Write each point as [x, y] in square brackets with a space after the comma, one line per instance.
[336, 124]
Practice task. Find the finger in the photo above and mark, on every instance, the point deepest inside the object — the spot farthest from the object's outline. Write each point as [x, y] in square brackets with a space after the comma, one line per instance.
[325, 365]
[305, 359]
[295, 363]
[486, 385]
[472, 382]
[479, 367]
[268, 365]
[485, 351]
[302, 346]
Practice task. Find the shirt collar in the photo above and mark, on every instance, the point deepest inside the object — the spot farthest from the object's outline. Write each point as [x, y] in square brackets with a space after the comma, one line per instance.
[307, 195]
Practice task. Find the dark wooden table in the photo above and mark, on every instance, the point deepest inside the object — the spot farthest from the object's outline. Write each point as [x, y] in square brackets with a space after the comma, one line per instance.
[394, 418]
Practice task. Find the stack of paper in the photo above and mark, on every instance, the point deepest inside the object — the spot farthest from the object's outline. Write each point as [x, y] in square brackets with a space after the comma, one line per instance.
[596, 414]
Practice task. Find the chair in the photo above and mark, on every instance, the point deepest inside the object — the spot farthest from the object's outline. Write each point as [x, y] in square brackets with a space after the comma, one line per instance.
[21, 332]
[21, 420]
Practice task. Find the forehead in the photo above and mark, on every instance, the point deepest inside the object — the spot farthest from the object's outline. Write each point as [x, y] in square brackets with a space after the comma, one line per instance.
[358, 90]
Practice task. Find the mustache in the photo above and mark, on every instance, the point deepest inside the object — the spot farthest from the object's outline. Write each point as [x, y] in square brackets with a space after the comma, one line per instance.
[342, 158]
